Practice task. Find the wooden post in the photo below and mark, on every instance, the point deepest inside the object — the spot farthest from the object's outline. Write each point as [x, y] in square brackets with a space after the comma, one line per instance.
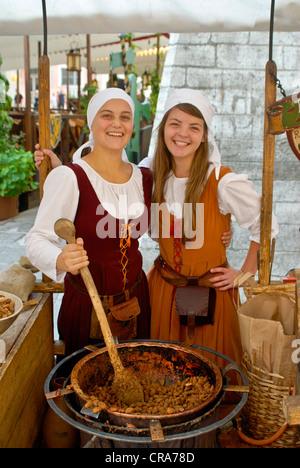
[18, 90]
[44, 116]
[28, 126]
[88, 59]
[267, 180]
[157, 53]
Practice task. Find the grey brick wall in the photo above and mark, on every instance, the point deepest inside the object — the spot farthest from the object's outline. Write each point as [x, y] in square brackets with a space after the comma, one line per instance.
[230, 68]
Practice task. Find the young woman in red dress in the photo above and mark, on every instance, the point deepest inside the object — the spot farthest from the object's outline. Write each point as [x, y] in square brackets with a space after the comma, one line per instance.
[108, 199]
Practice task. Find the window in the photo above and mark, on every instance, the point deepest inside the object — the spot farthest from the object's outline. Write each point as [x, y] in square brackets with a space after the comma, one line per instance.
[73, 77]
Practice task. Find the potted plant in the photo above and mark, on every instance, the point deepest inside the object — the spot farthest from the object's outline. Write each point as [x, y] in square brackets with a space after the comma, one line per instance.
[17, 169]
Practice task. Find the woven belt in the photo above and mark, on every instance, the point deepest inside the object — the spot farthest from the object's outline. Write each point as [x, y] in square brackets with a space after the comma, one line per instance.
[180, 280]
[113, 299]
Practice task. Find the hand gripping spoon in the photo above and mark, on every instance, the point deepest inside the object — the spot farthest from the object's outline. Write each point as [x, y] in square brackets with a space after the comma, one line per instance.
[126, 385]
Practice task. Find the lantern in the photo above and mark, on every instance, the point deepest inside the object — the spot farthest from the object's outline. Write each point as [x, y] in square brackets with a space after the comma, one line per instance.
[74, 60]
[146, 79]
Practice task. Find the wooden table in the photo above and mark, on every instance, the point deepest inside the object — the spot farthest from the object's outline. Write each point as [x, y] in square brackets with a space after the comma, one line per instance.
[29, 360]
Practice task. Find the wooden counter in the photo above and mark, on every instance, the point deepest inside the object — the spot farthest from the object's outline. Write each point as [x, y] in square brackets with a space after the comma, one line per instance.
[29, 360]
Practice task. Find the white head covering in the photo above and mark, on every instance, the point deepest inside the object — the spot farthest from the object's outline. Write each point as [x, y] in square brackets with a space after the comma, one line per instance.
[199, 100]
[95, 104]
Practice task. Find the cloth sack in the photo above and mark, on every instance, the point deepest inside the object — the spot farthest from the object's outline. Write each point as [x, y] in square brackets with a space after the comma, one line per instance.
[25, 263]
[268, 325]
[18, 281]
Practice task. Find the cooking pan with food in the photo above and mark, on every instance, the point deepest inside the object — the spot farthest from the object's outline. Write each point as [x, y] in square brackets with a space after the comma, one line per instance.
[179, 383]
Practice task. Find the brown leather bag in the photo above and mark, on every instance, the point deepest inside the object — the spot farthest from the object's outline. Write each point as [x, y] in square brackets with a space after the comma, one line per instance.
[122, 319]
[195, 305]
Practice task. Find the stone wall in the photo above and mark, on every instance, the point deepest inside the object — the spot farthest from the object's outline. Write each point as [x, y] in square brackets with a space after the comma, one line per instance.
[230, 68]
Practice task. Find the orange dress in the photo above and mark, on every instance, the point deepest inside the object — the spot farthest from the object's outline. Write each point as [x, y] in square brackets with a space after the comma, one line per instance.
[223, 336]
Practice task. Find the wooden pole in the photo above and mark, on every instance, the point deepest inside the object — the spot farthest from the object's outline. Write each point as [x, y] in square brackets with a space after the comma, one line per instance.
[44, 112]
[44, 116]
[28, 126]
[18, 90]
[44, 104]
[157, 53]
[88, 59]
[267, 180]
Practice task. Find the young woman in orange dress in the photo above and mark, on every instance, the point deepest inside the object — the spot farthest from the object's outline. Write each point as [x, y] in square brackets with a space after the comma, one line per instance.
[195, 197]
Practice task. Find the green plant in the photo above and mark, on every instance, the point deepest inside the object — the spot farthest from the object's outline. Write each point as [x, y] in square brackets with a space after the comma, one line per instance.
[17, 167]
[155, 85]
[89, 91]
[5, 99]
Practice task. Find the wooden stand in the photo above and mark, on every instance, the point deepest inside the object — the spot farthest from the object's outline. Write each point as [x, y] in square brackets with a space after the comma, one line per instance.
[29, 359]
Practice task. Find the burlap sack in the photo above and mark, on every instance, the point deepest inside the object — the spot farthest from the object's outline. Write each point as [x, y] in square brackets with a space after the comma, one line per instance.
[25, 263]
[18, 281]
[268, 328]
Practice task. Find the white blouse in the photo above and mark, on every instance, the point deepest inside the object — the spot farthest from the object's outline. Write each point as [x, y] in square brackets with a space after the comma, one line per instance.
[236, 196]
[60, 200]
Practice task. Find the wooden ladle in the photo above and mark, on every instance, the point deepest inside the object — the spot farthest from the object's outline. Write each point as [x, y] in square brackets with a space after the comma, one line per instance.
[125, 384]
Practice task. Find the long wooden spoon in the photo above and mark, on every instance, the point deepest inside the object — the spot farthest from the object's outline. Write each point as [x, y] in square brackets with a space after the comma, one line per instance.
[126, 385]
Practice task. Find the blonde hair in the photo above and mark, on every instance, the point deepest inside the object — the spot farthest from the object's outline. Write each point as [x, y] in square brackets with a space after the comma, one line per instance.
[164, 163]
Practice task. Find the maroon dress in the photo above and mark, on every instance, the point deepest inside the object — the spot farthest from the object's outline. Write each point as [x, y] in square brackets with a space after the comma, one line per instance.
[106, 266]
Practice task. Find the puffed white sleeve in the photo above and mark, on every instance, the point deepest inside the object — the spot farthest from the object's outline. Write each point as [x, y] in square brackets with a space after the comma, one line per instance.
[238, 197]
[146, 162]
[60, 200]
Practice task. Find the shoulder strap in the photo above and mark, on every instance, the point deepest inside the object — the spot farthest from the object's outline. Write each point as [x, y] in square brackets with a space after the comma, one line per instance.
[147, 184]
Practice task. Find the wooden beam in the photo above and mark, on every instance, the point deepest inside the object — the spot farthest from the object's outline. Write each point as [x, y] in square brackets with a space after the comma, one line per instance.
[291, 409]
[88, 59]
[267, 179]
[44, 117]
[27, 120]
[44, 122]
[49, 288]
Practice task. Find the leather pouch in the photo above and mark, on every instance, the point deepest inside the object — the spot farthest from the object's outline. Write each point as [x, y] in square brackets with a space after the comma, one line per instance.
[122, 319]
[195, 305]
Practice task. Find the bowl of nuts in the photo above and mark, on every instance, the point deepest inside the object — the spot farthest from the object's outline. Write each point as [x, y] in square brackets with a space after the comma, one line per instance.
[10, 307]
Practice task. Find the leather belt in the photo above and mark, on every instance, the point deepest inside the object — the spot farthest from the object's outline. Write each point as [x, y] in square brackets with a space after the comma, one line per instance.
[113, 299]
[180, 280]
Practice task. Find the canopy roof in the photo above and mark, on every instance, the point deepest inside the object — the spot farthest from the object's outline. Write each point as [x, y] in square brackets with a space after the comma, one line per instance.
[69, 21]
[101, 16]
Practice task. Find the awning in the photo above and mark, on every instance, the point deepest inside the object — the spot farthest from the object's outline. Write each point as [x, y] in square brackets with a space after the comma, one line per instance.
[101, 17]
[70, 21]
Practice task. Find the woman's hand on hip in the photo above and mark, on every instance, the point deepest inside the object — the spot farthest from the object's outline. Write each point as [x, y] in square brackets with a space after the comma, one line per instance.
[225, 277]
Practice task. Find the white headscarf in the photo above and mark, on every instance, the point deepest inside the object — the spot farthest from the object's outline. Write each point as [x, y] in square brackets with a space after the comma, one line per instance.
[199, 100]
[95, 104]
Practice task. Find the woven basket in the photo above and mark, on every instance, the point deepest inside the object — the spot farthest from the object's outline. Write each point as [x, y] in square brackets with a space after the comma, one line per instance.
[263, 415]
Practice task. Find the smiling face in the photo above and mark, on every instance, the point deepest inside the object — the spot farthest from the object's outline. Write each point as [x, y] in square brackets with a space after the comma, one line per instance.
[183, 134]
[113, 124]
